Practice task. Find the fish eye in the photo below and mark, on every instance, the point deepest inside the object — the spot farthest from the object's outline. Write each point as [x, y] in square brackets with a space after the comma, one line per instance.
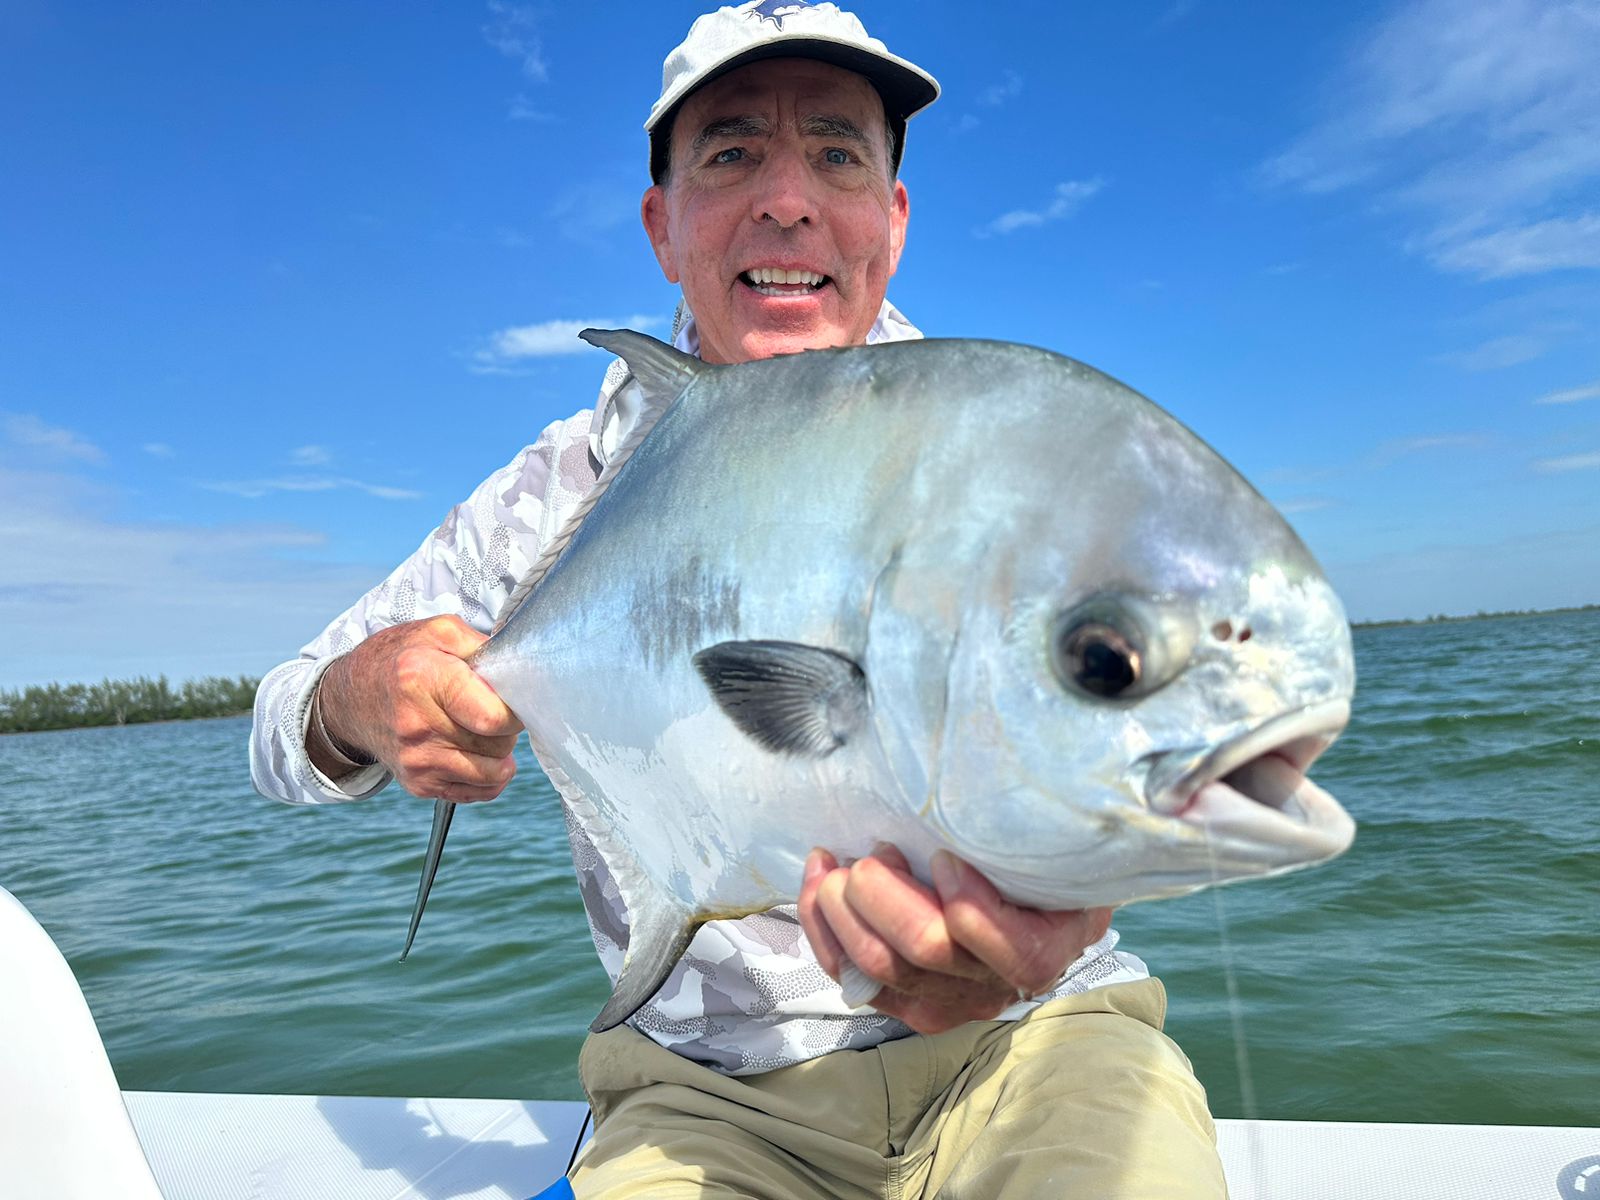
[1098, 658]
[1117, 646]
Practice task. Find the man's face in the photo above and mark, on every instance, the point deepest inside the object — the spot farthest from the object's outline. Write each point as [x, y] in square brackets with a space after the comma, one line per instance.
[780, 165]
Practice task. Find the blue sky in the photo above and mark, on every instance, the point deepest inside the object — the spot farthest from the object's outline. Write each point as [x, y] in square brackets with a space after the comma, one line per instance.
[279, 283]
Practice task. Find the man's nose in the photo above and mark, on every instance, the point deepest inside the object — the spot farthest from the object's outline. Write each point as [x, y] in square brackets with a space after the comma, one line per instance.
[784, 191]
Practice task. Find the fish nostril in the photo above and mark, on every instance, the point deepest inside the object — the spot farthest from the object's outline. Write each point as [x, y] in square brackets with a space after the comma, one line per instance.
[1222, 630]
[1244, 635]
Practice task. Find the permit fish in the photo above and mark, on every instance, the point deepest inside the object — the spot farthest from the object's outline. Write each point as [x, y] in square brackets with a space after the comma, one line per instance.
[947, 594]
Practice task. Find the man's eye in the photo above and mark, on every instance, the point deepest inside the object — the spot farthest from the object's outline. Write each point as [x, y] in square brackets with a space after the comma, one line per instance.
[731, 154]
[837, 157]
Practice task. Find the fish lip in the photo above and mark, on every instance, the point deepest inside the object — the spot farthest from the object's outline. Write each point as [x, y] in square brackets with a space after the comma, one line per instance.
[1298, 737]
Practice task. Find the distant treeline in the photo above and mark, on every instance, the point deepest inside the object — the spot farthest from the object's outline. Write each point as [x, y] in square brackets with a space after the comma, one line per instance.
[1439, 618]
[122, 702]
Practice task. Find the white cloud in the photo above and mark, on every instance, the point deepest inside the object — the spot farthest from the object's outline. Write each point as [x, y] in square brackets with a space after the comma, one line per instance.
[1498, 353]
[1392, 451]
[1481, 119]
[1572, 395]
[1304, 504]
[50, 442]
[1068, 198]
[545, 340]
[1570, 462]
[1174, 13]
[1556, 244]
[590, 213]
[254, 489]
[88, 595]
[522, 109]
[966, 124]
[512, 31]
[158, 450]
[310, 456]
[997, 94]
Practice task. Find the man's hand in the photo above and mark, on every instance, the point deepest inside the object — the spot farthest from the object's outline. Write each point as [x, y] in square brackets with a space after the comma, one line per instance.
[947, 956]
[406, 697]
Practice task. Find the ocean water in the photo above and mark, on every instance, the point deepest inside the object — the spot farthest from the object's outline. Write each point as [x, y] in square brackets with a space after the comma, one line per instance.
[1446, 969]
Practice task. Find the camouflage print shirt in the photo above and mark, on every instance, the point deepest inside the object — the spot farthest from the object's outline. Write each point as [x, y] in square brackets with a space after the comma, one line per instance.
[749, 995]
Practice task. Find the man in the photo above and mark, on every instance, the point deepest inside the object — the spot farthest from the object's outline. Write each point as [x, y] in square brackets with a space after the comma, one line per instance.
[776, 205]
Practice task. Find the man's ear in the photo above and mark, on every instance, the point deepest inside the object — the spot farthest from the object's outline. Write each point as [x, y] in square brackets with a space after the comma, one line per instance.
[653, 212]
[899, 217]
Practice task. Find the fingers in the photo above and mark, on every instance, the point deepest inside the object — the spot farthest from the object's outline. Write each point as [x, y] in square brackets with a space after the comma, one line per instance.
[1026, 947]
[946, 955]
[473, 705]
[826, 947]
[450, 634]
[445, 773]
[407, 696]
[876, 915]
[900, 921]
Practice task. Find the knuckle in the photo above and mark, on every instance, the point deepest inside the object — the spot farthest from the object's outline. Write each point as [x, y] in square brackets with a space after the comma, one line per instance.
[412, 671]
[964, 923]
[927, 947]
[410, 727]
[879, 963]
[442, 626]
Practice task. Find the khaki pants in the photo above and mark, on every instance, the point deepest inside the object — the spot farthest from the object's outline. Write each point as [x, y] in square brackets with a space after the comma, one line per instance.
[1084, 1097]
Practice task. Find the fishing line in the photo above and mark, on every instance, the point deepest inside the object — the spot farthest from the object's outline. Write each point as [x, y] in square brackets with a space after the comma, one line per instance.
[1241, 1053]
[582, 1129]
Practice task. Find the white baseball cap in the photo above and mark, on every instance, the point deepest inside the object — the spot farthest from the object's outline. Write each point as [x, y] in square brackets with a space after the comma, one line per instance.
[731, 37]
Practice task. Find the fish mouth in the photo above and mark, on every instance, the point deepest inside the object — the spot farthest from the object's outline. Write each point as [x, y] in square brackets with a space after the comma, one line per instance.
[1253, 791]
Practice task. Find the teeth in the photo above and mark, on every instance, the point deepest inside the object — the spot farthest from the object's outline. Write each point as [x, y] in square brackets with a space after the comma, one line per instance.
[778, 275]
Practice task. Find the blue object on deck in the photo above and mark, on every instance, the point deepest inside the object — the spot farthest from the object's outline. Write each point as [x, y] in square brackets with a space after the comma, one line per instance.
[559, 1190]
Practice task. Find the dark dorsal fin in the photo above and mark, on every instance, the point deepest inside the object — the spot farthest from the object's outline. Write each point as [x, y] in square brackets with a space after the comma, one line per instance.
[792, 698]
[662, 371]
[663, 374]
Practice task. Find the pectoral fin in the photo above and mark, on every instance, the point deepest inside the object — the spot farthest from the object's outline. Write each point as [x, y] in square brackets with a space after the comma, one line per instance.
[443, 812]
[792, 698]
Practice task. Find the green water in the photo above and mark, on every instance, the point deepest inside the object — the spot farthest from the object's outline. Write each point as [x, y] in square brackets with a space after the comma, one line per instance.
[1446, 969]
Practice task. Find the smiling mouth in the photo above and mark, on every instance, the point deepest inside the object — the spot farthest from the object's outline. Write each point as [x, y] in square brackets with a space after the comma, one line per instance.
[775, 281]
[1254, 788]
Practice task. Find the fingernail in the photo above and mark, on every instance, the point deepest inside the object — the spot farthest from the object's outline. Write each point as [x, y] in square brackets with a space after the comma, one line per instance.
[879, 849]
[946, 875]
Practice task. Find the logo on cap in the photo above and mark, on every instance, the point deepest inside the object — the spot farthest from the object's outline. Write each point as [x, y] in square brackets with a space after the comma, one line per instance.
[776, 10]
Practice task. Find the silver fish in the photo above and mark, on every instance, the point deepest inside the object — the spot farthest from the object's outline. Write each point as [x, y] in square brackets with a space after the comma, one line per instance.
[944, 594]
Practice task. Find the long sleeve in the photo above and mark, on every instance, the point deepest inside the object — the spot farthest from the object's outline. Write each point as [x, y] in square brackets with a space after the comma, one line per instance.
[468, 566]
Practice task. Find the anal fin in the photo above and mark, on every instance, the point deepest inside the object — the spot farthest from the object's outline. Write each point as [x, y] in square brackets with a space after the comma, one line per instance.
[657, 937]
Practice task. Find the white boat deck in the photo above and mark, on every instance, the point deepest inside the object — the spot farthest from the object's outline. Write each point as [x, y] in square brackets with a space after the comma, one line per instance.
[66, 1133]
[252, 1147]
